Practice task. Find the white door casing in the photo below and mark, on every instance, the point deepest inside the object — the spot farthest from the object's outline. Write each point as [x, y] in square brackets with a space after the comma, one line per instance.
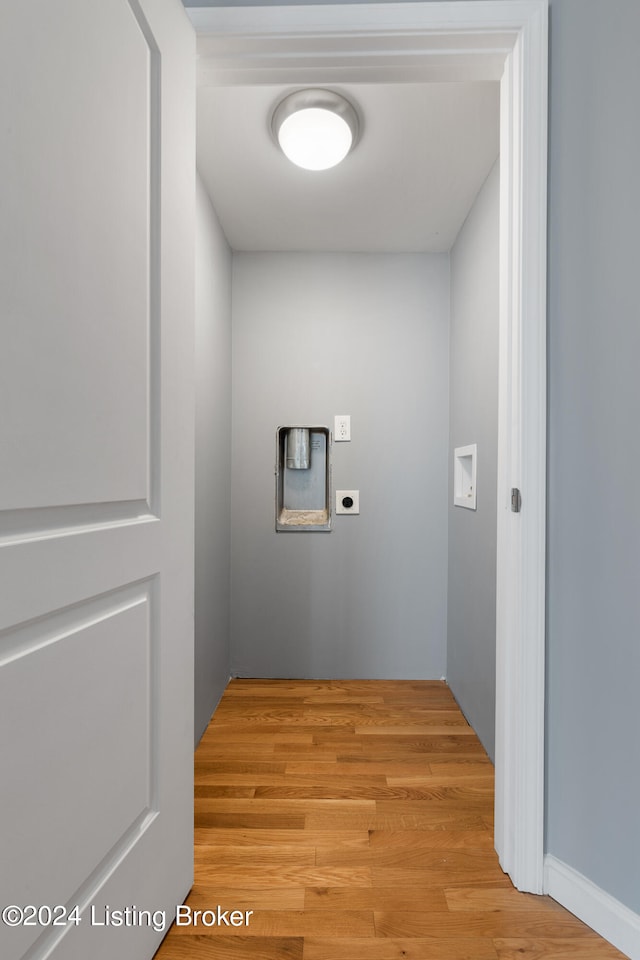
[500, 40]
[96, 470]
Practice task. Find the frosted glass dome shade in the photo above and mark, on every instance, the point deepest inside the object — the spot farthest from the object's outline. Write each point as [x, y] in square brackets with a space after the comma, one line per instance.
[315, 139]
[315, 129]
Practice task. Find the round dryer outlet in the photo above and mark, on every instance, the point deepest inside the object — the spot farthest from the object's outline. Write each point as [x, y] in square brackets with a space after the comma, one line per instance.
[348, 501]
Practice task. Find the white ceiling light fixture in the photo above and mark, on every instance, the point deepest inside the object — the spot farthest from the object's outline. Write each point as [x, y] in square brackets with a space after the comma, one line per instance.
[315, 128]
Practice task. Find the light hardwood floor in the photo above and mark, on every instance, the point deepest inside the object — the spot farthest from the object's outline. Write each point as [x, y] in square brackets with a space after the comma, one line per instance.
[354, 818]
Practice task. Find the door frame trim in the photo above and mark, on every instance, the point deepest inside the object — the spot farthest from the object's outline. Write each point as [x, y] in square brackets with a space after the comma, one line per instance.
[503, 40]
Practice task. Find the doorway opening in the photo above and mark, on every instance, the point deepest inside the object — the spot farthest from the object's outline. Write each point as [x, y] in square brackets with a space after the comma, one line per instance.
[480, 42]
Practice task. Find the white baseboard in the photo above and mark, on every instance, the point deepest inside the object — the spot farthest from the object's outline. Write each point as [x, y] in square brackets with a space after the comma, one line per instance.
[600, 911]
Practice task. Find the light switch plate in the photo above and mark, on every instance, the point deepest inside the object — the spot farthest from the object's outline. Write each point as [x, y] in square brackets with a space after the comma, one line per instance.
[342, 501]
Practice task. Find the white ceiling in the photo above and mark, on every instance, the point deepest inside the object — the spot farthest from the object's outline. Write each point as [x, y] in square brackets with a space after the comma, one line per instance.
[425, 151]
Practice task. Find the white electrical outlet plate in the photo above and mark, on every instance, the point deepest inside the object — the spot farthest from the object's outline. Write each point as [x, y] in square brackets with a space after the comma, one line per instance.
[348, 501]
[342, 427]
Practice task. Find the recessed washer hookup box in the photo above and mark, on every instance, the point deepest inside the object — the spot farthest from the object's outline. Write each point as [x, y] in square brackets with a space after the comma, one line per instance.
[303, 479]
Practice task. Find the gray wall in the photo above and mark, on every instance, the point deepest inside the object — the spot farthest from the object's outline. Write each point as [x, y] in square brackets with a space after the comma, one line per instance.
[314, 336]
[593, 792]
[473, 418]
[213, 454]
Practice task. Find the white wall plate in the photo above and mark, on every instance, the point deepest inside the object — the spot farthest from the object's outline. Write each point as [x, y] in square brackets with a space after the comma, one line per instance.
[348, 501]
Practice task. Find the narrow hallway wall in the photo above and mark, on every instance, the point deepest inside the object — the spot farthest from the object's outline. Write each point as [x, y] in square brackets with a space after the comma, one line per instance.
[593, 777]
[473, 396]
[213, 455]
[315, 335]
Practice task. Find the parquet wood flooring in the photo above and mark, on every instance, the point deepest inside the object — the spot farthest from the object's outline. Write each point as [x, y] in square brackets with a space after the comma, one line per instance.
[354, 819]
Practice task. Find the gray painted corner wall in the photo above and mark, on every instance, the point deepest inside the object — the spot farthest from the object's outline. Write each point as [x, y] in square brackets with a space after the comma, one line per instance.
[473, 418]
[213, 456]
[314, 336]
[593, 776]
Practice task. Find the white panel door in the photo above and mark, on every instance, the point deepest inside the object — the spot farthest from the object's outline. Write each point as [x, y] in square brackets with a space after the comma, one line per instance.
[97, 128]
